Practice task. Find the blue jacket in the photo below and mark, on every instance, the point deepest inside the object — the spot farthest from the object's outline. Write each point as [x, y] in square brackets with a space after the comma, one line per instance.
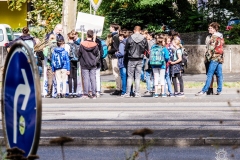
[64, 58]
[120, 53]
[166, 56]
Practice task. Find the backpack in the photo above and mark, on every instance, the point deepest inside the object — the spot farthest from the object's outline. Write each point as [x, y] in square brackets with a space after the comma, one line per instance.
[104, 48]
[156, 56]
[30, 44]
[73, 52]
[58, 60]
[51, 48]
[219, 45]
[184, 57]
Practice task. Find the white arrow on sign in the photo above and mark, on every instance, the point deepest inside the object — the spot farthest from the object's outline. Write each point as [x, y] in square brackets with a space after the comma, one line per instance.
[22, 89]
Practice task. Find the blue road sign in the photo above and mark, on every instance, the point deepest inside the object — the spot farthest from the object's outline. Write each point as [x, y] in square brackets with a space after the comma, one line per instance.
[21, 97]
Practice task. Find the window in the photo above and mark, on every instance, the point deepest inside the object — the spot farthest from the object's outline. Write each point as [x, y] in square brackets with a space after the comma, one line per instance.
[1, 35]
[9, 34]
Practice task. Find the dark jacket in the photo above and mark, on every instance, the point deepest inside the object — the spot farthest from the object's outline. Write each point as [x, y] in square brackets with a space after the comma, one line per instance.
[23, 37]
[58, 36]
[120, 54]
[40, 58]
[136, 46]
[88, 53]
[115, 45]
[98, 41]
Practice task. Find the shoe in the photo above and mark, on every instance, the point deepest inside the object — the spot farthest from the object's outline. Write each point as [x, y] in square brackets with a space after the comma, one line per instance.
[155, 95]
[49, 95]
[147, 93]
[126, 95]
[218, 93]
[94, 97]
[180, 95]
[132, 94]
[171, 95]
[115, 93]
[84, 97]
[201, 93]
[98, 94]
[210, 91]
[137, 95]
[63, 95]
[58, 96]
[164, 95]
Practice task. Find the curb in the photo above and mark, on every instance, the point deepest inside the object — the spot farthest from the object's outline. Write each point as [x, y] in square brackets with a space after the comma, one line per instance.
[134, 141]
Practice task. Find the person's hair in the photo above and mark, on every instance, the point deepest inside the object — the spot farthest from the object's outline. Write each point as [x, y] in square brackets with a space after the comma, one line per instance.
[137, 28]
[130, 33]
[109, 40]
[215, 25]
[159, 41]
[52, 37]
[25, 30]
[177, 41]
[145, 32]
[71, 35]
[152, 34]
[123, 33]
[60, 42]
[115, 26]
[90, 33]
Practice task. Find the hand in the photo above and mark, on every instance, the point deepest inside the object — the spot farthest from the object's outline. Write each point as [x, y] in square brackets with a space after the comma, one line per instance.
[53, 73]
[68, 72]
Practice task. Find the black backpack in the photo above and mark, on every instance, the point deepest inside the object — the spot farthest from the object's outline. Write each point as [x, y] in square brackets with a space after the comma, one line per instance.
[73, 52]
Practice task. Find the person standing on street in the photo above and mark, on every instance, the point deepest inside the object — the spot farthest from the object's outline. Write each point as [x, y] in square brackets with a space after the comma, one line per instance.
[57, 32]
[114, 48]
[136, 46]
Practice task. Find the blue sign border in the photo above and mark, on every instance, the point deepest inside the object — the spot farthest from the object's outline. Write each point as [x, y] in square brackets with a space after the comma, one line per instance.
[22, 47]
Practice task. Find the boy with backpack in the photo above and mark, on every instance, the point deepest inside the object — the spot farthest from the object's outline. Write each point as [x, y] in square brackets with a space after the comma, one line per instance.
[60, 67]
[72, 50]
[159, 55]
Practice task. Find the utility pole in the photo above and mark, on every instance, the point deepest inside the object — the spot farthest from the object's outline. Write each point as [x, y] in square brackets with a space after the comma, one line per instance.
[69, 14]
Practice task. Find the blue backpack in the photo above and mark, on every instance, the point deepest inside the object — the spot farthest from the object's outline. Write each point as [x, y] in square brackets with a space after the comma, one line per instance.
[156, 56]
[104, 48]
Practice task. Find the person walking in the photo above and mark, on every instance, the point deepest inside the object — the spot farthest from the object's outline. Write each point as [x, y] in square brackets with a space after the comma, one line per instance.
[60, 67]
[89, 56]
[215, 59]
[136, 46]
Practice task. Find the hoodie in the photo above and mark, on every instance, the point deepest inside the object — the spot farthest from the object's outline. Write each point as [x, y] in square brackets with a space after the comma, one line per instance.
[88, 54]
[211, 44]
[59, 51]
[23, 37]
[136, 46]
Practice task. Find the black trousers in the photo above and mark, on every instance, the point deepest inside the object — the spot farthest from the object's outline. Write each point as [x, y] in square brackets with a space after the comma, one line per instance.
[72, 78]
[180, 79]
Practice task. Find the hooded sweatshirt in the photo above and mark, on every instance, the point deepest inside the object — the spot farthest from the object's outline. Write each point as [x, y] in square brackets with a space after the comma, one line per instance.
[23, 37]
[211, 55]
[88, 54]
[59, 51]
[136, 46]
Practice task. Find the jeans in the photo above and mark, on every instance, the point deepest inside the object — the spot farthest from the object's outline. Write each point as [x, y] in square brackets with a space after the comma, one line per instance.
[148, 79]
[123, 73]
[40, 71]
[134, 68]
[169, 84]
[214, 67]
[142, 72]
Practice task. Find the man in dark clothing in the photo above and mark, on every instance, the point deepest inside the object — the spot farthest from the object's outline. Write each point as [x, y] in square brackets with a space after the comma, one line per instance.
[136, 46]
[114, 48]
[89, 56]
[57, 32]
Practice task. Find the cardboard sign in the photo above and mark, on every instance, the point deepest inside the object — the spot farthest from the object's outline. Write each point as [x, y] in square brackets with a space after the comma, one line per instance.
[88, 21]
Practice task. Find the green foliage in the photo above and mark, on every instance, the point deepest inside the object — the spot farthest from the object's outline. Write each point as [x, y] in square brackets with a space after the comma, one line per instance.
[16, 4]
[233, 36]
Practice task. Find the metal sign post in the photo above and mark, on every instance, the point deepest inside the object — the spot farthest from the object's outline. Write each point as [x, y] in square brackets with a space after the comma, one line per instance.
[21, 100]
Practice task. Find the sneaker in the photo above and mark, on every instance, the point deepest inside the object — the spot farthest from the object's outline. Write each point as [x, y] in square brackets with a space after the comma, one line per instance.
[94, 97]
[164, 95]
[98, 94]
[58, 96]
[201, 93]
[132, 94]
[147, 93]
[126, 95]
[84, 97]
[180, 95]
[115, 93]
[49, 96]
[171, 95]
[210, 91]
[137, 95]
[155, 95]
[218, 93]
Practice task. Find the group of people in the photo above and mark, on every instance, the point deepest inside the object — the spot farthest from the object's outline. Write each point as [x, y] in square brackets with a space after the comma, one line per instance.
[137, 55]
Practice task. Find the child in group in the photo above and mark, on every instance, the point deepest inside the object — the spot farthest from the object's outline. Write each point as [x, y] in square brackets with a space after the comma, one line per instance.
[159, 55]
[120, 55]
[177, 68]
[167, 74]
[60, 67]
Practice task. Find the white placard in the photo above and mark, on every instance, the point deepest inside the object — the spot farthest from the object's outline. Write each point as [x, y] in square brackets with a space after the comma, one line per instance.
[88, 21]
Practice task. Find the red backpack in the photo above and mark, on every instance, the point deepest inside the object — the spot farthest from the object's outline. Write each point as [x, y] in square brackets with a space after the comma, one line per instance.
[219, 45]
